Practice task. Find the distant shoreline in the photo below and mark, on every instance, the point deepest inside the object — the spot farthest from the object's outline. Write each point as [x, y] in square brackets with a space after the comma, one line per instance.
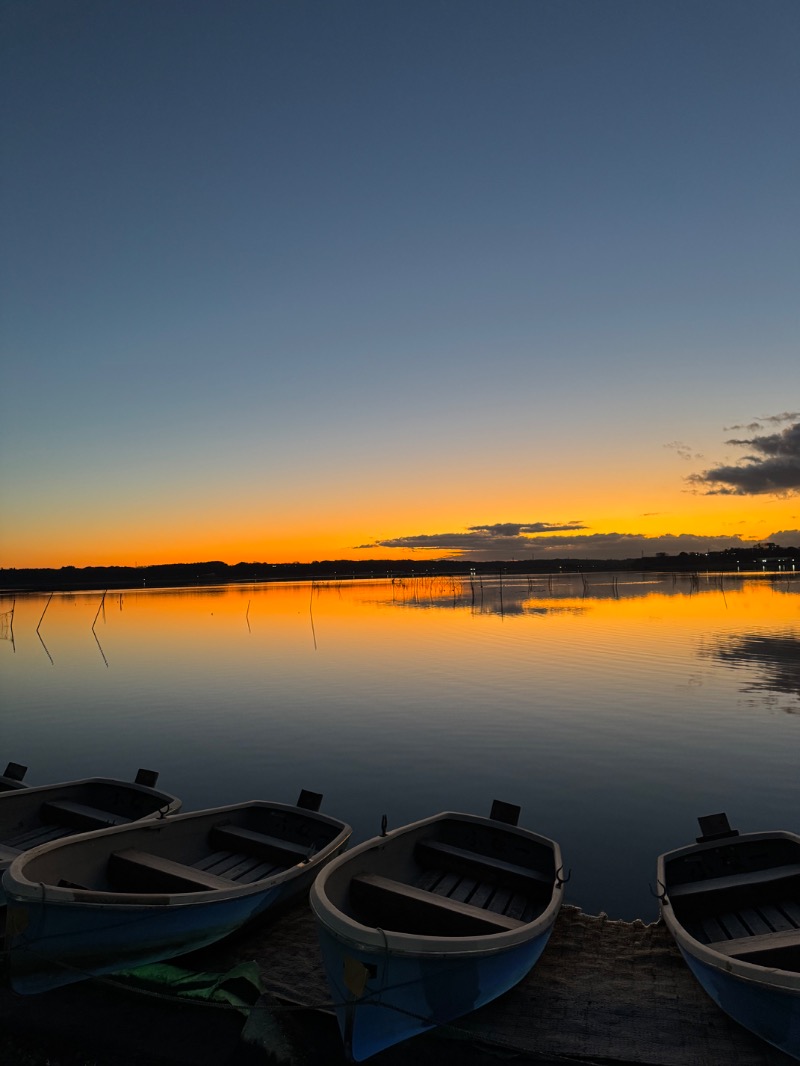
[763, 559]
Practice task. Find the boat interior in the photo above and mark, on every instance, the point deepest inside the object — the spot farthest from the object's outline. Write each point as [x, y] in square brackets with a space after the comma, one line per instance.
[187, 854]
[233, 854]
[460, 879]
[29, 817]
[741, 899]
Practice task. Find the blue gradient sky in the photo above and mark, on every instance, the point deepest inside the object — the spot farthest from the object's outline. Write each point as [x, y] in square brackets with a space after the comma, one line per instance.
[289, 280]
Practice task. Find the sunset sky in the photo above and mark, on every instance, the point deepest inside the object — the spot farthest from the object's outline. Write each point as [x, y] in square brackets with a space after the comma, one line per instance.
[289, 280]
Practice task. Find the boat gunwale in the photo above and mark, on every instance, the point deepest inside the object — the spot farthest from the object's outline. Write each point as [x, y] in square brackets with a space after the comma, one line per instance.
[748, 972]
[20, 889]
[372, 938]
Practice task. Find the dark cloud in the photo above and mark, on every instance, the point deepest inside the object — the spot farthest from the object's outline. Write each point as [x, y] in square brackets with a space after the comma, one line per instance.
[513, 529]
[482, 543]
[773, 467]
[751, 427]
[499, 540]
[770, 420]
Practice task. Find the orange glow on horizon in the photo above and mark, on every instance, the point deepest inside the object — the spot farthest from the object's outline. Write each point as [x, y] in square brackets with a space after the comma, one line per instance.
[234, 535]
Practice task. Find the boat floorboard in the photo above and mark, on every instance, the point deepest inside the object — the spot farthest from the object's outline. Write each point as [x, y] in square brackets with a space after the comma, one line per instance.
[484, 894]
[238, 866]
[43, 834]
[758, 920]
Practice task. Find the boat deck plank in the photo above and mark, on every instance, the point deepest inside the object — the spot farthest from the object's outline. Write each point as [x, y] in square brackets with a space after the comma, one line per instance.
[260, 871]
[215, 861]
[448, 884]
[500, 900]
[517, 907]
[31, 838]
[763, 920]
[238, 866]
[778, 918]
[482, 894]
[464, 889]
[508, 902]
[242, 869]
[428, 880]
[710, 929]
[228, 864]
[734, 926]
[755, 921]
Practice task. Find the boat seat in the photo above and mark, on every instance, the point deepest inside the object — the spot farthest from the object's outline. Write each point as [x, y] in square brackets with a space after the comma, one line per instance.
[740, 880]
[396, 905]
[751, 945]
[141, 871]
[79, 815]
[433, 852]
[249, 842]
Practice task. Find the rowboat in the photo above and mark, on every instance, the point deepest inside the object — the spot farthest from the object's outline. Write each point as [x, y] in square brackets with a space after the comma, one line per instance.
[33, 816]
[426, 923]
[133, 895]
[12, 777]
[732, 904]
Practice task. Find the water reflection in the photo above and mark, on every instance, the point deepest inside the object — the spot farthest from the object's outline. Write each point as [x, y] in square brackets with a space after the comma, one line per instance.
[776, 657]
[46, 649]
[556, 593]
[493, 596]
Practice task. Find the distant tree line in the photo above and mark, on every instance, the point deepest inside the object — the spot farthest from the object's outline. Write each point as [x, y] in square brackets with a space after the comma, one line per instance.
[70, 578]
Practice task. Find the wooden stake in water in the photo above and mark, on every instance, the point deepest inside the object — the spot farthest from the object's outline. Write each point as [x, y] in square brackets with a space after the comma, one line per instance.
[99, 609]
[44, 612]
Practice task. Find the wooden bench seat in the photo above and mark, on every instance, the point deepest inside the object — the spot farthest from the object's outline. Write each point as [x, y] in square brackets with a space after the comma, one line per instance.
[751, 945]
[454, 858]
[79, 815]
[403, 908]
[141, 871]
[250, 842]
[740, 880]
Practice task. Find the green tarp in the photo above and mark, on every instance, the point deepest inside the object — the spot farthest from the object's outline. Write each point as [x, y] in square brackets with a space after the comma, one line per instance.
[240, 987]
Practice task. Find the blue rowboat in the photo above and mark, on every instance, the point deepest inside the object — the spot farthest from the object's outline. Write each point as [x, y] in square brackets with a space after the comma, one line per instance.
[732, 904]
[129, 896]
[431, 921]
[33, 816]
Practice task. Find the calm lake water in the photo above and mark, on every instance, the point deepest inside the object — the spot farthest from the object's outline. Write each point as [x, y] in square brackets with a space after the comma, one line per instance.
[614, 709]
